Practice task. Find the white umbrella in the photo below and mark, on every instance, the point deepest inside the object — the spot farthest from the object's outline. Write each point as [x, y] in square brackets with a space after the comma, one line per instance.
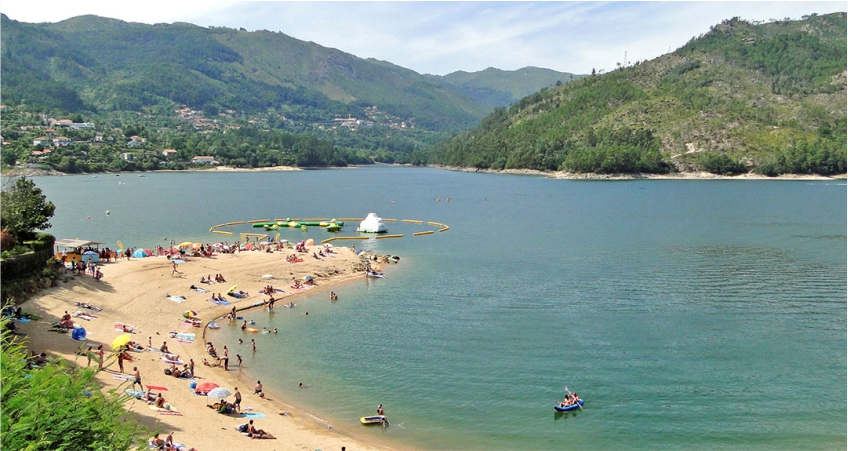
[267, 276]
[218, 393]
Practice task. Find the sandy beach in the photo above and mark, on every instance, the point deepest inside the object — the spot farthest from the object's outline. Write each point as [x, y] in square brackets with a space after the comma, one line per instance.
[134, 292]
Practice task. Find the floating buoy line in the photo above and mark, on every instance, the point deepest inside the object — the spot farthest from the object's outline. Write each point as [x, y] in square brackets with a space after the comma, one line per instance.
[303, 224]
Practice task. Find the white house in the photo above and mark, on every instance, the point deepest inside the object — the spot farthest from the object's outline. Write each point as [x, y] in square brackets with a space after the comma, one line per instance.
[203, 159]
[41, 141]
[168, 153]
[61, 141]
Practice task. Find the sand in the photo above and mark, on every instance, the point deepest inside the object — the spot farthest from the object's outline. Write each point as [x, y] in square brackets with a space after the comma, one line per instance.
[133, 292]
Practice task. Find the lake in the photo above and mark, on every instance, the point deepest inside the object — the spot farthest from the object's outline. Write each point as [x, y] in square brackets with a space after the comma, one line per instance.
[689, 314]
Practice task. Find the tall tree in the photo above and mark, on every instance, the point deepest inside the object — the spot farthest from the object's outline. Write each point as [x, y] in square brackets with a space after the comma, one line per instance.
[24, 209]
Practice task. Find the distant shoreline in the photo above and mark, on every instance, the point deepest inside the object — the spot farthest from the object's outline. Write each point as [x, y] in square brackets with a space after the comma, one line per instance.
[554, 175]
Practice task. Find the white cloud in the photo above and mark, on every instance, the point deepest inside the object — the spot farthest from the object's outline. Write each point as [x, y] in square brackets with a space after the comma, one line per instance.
[442, 37]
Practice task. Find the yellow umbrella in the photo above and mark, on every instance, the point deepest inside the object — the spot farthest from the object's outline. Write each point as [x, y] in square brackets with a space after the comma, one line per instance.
[121, 341]
[232, 289]
[185, 244]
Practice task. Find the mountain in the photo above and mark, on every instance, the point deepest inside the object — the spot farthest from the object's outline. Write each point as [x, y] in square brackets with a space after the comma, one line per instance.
[767, 97]
[495, 87]
[100, 64]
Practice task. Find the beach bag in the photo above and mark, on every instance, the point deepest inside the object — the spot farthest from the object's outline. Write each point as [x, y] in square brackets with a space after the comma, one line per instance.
[167, 371]
[242, 428]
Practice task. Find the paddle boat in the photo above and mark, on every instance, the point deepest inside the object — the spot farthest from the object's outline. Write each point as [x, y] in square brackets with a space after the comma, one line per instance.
[576, 405]
[374, 274]
[376, 419]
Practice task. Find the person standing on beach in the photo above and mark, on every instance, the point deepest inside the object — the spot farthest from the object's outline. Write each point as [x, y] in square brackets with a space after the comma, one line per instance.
[137, 378]
[239, 360]
[121, 361]
[253, 344]
[100, 354]
[174, 270]
[225, 357]
[237, 403]
[191, 366]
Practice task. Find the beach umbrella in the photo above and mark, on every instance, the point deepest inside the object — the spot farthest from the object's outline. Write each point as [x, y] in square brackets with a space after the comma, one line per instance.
[232, 289]
[307, 278]
[310, 242]
[267, 276]
[197, 245]
[205, 387]
[218, 393]
[189, 314]
[185, 244]
[121, 341]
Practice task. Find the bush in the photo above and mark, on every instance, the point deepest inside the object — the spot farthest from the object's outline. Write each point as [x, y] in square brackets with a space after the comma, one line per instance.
[721, 164]
[59, 407]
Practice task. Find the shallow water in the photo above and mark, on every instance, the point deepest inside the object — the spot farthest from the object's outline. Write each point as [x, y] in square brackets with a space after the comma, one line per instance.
[688, 314]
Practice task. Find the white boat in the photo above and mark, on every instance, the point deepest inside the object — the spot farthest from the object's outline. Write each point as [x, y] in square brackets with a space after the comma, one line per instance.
[372, 224]
[374, 274]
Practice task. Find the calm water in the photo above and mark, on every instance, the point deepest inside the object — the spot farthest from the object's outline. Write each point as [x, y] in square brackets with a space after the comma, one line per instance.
[689, 314]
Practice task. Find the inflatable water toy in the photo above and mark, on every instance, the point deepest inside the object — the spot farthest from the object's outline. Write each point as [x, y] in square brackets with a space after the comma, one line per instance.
[372, 224]
[576, 405]
[376, 419]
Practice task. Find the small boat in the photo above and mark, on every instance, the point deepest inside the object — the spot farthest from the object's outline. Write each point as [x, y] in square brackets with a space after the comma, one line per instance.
[213, 325]
[558, 408]
[376, 419]
[374, 274]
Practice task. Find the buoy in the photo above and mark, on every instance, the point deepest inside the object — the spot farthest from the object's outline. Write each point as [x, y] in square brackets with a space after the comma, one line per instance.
[107, 213]
[89, 217]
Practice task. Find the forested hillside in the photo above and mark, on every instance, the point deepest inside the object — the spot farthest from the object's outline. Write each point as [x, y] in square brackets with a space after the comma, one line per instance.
[766, 97]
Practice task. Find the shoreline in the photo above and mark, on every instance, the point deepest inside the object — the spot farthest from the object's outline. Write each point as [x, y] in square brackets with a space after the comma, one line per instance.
[561, 175]
[133, 292]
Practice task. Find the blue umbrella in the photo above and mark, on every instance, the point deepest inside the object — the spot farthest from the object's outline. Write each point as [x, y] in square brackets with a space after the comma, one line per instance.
[141, 253]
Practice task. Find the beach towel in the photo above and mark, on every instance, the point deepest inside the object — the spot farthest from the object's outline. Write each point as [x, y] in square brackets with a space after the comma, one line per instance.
[177, 299]
[219, 302]
[200, 290]
[172, 362]
[172, 411]
[125, 377]
[157, 388]
[135, 393]
[252, 415]
[121, 327]
[22, 320]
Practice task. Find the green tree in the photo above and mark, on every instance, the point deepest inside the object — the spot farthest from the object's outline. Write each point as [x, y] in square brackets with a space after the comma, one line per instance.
[24, 209]
[56, 407]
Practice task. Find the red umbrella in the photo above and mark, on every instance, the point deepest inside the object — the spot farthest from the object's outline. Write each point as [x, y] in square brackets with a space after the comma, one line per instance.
[205, 387]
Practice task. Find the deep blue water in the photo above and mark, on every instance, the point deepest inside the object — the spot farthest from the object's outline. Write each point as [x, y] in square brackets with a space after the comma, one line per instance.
[688, 314]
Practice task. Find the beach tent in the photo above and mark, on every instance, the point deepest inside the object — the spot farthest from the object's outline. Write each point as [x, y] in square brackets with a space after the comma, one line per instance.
[141, 253]
[78, 334]
[91, 256]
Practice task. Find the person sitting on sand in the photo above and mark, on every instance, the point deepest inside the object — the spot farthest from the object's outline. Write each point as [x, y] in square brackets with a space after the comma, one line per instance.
[203, 280]
[160, 402]
[164, 347]
[66, 320]
[258, 387]
[157, 442]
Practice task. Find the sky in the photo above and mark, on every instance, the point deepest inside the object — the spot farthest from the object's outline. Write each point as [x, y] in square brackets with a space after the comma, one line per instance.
[440, 37]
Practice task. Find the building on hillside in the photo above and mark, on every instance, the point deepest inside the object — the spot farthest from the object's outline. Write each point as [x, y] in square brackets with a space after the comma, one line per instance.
[136, 141]
[61, 141]
[126, 156]
[168, 153]
[41, 141]
[81, 125]
[203, 159]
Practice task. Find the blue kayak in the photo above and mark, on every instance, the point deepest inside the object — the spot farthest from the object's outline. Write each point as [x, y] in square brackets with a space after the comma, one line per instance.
[558, 408]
